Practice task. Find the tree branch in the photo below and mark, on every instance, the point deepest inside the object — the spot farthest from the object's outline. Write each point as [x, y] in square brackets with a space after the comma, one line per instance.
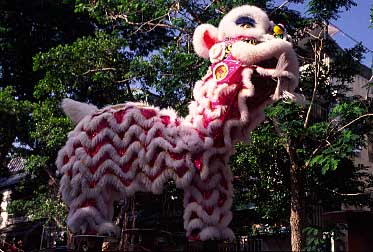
[288, 145]
[353, 121]
[292, 155]
[326, 141]
[317, 49]
[316, 151]
[275, 124]
[153, 23]
[99, 70]
[59, 224]
[129, 90]
[317, 52]
[52, 178]
[191, 12]
[208, 6]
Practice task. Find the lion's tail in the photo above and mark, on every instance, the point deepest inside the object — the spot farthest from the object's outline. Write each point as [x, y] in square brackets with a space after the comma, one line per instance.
[77, 110]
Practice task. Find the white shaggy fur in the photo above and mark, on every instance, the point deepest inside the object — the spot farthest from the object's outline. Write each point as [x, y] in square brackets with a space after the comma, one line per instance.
[119, 150]
[199, 44]
[76, 110]
[228, 28]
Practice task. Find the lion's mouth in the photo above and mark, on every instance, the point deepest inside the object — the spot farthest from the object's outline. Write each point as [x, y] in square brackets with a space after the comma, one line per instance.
[251, 41]
[264, 83]
[264, 86]
[267, 77]
[268, 64]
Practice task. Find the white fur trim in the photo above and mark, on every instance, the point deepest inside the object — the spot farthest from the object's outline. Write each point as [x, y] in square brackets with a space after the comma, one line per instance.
[229, 29]
[199, 44]
[77, 110]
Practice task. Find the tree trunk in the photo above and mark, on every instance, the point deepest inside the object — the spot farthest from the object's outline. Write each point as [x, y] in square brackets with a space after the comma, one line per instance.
[297, 213]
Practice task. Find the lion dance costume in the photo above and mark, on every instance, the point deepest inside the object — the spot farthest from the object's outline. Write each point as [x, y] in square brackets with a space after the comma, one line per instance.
[118, 150]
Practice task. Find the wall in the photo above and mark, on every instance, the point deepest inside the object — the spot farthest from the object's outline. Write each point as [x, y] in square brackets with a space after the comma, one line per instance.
[5, 197]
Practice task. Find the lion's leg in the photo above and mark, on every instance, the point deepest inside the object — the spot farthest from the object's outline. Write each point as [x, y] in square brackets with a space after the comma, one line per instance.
[90, 218]
[207, 206]
[92, 212]
[105, 205]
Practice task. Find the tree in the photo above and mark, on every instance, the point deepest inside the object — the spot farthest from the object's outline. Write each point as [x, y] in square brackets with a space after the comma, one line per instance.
[339, 135]
[12, 114]
[30, 27]
[27, 28]
[313, 147]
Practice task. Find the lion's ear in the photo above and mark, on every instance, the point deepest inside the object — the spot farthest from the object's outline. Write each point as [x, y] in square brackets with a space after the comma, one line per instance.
[204, 37]
[270, 28]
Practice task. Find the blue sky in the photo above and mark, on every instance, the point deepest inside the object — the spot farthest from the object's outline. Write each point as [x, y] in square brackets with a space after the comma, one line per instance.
[355, 23]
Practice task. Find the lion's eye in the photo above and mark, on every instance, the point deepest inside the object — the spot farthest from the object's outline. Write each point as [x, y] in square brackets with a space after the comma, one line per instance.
[245, 22]
[245, 26]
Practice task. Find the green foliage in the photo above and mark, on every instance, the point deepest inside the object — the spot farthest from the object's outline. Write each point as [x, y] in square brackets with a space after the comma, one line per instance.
[318, 239]
[345, 63]
[28, 27]
[341, 143]
[42, 206]
[146, 25]
[263, 166]
[90, 67]
[326, 10]
[14, 117]
[106, 11]
[315, 240]
[261, 176]
[322, 149]
[171, 74]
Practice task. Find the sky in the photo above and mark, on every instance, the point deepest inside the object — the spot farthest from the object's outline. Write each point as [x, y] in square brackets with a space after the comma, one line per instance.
[354, 22]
